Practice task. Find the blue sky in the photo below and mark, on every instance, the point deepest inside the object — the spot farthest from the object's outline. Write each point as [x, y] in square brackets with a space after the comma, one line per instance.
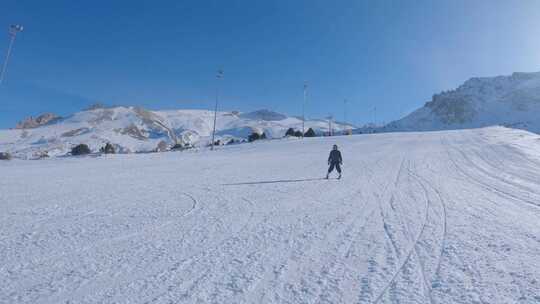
[393, 55]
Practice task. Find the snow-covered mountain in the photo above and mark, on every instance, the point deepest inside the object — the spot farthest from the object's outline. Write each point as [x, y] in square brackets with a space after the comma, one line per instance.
[133, 129]
[512, 101]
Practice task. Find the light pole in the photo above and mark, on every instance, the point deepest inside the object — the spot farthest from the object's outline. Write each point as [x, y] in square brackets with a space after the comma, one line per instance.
[346, 129]
[13, 30]
[304, 110]
[219, 76]
[330, 125]
[345, 112]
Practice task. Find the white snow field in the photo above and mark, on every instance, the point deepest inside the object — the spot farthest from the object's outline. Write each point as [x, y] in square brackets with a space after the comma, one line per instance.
[435, 217]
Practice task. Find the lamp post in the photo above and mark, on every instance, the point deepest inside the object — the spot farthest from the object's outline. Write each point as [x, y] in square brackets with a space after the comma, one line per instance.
[219, 76]
[345, 112]
[330, 117]
[13, 30]
[304, 110]
[347, 129]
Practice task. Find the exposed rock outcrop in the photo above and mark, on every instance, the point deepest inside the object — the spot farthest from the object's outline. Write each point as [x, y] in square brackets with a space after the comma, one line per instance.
[41, 120]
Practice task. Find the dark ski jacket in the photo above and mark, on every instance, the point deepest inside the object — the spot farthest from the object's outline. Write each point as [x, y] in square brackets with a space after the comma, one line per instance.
[335, 157]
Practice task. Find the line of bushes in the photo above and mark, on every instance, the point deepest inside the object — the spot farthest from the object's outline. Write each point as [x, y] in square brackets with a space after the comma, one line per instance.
[309, 133]
[83, 149]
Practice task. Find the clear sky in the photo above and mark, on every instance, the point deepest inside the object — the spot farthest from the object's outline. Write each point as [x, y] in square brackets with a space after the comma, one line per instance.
[393, 55]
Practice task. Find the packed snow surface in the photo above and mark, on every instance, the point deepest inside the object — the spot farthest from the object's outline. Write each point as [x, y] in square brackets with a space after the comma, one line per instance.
[436, 217]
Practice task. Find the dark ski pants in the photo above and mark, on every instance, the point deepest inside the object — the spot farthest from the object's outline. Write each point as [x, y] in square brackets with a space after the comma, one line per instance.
[336, 165]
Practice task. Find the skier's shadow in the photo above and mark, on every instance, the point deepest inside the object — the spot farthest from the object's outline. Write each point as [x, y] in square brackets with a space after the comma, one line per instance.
[275, 181]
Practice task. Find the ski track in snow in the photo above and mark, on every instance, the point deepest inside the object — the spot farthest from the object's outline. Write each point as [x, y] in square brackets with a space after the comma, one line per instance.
[437, 217]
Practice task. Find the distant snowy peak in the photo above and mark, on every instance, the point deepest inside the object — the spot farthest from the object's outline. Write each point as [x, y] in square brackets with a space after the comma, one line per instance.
[512, 101]
[134, 129]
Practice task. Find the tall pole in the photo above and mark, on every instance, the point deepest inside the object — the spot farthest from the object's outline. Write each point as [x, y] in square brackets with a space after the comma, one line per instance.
[218, 77]
[13, 30]
[345, 112]
[345, 127]
[304, 110]
[329, 125]
[330, 117]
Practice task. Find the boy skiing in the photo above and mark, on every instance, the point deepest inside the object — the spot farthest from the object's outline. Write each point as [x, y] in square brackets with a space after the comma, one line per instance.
[334, 160]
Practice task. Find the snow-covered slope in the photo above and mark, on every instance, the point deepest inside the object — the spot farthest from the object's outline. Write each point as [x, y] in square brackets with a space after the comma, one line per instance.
[134, 129]
[437, 217]
[512, 101]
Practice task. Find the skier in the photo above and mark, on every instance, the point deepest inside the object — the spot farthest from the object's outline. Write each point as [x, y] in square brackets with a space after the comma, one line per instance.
[334, 160]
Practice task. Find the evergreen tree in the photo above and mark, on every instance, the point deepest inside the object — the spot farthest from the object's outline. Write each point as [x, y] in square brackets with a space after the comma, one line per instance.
[81, 149]
[254, 136]
[290, 132]
[310, 133]
[108, 149]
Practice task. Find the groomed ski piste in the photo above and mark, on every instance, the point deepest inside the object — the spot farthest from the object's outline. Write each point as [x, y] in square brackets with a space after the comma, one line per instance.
[433, 217]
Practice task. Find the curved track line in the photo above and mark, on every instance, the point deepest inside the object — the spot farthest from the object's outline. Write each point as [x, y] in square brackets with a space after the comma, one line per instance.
[485, 185]
[427, 284]
[445, 223]
[412, 249]
[180, 265]
[121, 237]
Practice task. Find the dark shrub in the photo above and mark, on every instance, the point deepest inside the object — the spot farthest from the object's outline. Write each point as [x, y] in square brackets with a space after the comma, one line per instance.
[108, 149]
[263, 136]
[310, 133]
[5, 156]
[298, 133]
[177, 146]
[290, 132]
[254, 136]
[81, 149]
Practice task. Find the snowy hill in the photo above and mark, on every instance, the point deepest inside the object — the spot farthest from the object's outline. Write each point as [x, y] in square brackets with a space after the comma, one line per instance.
[133, 129]
[512, 101]
[437, 217]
